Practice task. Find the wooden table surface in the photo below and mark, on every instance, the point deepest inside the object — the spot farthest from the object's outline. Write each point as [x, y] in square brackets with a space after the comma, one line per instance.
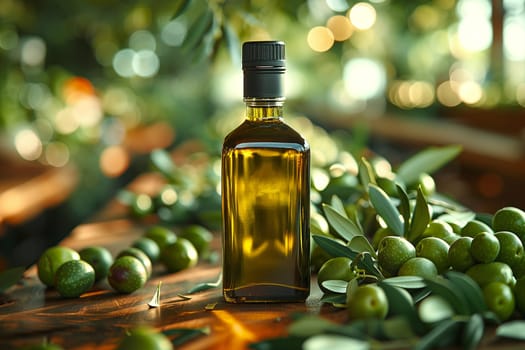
[100, 318]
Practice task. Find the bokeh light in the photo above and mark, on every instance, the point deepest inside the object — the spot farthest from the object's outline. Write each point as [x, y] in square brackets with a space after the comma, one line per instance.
[320, 39]
[28, 144]
[57, 154]
[114, 161]
[362, 15]
[174, 33]
[340, 26]
[33, 51]
[364, 78]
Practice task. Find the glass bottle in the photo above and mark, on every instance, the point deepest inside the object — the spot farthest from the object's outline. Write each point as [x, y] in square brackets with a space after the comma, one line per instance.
[265, 191]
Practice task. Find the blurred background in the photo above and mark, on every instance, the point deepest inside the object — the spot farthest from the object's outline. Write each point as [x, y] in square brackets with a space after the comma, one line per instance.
[89, 88]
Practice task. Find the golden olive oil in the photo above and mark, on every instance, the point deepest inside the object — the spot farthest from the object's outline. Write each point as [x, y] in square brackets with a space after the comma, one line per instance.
[266, 213]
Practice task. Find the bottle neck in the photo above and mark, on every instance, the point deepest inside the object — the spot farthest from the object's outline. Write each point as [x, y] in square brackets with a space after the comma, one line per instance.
[264, 109]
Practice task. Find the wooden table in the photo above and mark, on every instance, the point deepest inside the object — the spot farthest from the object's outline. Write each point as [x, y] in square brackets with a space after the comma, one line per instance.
[100, 318]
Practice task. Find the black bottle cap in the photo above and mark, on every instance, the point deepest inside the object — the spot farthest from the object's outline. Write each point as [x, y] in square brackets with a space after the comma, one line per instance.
[263, 63]
[263, 54]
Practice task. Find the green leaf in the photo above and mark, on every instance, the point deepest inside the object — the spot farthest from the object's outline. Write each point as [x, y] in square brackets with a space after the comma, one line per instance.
[362, 244]
[232, 43]
[334, 247]
[327, 341]
[198, 29]
[401, 304]
[435, 308]
[366, 173]
[470, 289]
[426, 161]
[336, 286]
[309, 325]
[289, 343]
[338, 205]
[473, 332]
[404, 207]
[406, 282]
[445, 333]
[421, 217]
[333, 298]
[450, 292]
[206, 285]
[341, 224]
[386, 209]
[512, 330]
[364, 260]
[162, 162]
[458, 218]
[180, 7]
[183, 335]
[10, 277]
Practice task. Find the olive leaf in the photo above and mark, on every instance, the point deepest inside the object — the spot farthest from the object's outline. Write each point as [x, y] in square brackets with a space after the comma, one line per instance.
[404, 206]
[427, 161]
[334, 247]
[473, 332]
[289, 343]
[512, 330]
[338, 205]
[180, 7]
[406, 282]
[470, 289]
[162, 162]
[366, 173]
[309, 325]
[336, 286]
[326, 341]
[435, 308]
[184, 335]
[451, 293]
[341, 224]
[444, 333]
[421, 217]
[10, 277]
[362, 244]
[400, 303]
[205, 285]
[333, 298]
[386, 209]
[203, 19]
[232, 43]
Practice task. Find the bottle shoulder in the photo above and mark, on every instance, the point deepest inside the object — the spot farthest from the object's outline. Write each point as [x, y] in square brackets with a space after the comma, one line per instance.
[275, 132]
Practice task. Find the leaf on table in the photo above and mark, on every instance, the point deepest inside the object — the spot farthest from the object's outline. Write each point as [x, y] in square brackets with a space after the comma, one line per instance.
[184, 335]
[309, 325]
[332, 341]
[10, 277]
[155, 300]
[288, 343]
[451, 293]
[427, 161]
[210, 306]
[384, 208]
[435, 308]
[512, 330]
[206, 285]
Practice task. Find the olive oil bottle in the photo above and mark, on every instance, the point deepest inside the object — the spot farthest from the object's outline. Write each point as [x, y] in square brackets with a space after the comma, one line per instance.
[265, 191]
